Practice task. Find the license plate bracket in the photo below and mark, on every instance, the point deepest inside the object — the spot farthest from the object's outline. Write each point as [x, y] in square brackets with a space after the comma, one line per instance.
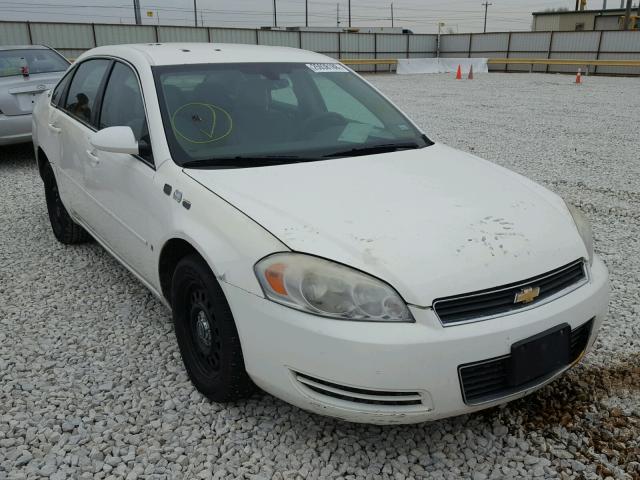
[540, 355]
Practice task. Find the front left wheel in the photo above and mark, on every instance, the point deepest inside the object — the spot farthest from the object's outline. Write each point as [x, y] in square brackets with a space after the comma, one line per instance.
[207, 334]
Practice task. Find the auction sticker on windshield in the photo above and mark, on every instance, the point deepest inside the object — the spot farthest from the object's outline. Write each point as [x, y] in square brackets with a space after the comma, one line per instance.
[326, 67]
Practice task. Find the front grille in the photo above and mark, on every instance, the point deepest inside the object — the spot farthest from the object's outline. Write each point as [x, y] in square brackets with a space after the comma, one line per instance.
[488, 380]
[359, 395]
[501, 300]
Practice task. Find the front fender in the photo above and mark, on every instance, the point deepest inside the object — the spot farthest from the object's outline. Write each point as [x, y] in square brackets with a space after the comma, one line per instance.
[229, 241]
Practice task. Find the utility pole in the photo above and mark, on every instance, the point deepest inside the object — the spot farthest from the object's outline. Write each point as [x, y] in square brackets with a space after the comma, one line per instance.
[306, 13]
[627, 15]
[349, 6]
[391, 14]
[486, 6]
[195, 12]
[275, 14]
[136, 12]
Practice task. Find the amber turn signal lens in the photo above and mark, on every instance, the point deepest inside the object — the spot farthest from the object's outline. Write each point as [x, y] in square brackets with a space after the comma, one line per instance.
[275, 277]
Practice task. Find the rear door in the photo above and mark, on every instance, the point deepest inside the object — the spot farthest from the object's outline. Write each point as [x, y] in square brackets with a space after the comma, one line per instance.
[46, 122]
[75, 126]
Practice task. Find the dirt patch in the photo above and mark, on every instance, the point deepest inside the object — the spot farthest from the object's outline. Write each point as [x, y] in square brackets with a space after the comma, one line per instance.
[583, 402]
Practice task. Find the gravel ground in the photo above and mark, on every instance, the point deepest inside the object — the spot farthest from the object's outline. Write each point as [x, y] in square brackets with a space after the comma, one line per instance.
[92, 385]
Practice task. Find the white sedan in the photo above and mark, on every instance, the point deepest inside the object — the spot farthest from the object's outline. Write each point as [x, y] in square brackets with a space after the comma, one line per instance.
[310, 238]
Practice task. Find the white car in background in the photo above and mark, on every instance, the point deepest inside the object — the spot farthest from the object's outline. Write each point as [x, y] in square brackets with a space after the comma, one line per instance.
[310, 239]
[25, 72]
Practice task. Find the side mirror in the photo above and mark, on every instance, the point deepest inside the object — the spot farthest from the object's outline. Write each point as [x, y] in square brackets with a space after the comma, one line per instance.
[115, 140]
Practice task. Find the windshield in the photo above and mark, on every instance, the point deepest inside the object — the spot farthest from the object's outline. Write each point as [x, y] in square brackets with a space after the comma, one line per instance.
[35, 61]
[250, 114]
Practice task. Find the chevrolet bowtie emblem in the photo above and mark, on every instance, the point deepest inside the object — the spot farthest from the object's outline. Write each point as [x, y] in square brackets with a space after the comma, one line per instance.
[527, 295]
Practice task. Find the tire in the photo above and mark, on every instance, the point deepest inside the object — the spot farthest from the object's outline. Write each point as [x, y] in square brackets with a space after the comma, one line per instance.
[207, 334]
[64, 228]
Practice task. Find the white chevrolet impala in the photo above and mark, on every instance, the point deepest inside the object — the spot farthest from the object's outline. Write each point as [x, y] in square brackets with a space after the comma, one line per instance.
[310, 239]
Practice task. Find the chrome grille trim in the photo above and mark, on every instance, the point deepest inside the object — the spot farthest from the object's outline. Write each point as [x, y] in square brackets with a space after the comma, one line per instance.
[508, 290]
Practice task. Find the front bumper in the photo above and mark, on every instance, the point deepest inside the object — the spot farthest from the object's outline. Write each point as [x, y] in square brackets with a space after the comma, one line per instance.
[15, 129]
[289, 353]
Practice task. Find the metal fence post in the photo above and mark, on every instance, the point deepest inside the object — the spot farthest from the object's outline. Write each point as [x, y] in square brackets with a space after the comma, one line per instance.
[506, 65]
[155, 29]
[408, 44]
[595, 68]
[546, 68]
[375, 51]
[257, 37]
[93, 30]
[29, 33]
[209, 39]
[469, 47]
[339, 46]
[300, 39]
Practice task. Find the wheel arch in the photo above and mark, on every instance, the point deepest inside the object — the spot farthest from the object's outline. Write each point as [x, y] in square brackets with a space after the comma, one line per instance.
[41, 160]
[174, 250]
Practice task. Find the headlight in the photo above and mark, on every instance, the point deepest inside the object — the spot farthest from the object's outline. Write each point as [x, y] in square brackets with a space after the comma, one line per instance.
[329, 289]
[584, 229]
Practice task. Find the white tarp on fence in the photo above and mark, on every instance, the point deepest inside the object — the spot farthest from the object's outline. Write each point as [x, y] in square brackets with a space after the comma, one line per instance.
[441, 65]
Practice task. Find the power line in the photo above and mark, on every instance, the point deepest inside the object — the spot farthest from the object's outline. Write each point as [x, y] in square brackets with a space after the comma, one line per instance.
[376, 14]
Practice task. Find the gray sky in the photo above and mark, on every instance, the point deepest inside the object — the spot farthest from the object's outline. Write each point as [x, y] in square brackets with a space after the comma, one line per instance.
[418, 15]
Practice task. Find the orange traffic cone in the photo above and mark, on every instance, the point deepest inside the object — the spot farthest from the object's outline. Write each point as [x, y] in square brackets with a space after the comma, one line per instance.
[470, 77]
[579, 77]
[459, 73]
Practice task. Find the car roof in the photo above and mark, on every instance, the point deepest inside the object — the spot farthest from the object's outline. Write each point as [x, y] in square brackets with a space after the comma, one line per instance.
[23, 47]
[193, 53]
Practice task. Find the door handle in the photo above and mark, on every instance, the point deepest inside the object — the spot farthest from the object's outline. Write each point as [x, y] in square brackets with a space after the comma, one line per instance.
[54, 128]
[93, 158]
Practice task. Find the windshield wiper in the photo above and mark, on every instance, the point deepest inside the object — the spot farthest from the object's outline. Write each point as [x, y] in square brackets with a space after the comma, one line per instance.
[244, 161]
[373, 149]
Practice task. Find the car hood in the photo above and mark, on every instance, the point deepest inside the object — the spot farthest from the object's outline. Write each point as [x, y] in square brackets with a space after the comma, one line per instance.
[432, 222]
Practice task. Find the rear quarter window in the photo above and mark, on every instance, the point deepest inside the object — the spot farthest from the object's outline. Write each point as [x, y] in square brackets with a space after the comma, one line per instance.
[56, 97]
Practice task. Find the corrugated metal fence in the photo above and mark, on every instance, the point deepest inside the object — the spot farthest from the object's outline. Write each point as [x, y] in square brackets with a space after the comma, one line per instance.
[594, 45]
[74, 38]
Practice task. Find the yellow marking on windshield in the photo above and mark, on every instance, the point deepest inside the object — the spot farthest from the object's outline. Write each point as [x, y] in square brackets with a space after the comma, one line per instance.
[209, 132]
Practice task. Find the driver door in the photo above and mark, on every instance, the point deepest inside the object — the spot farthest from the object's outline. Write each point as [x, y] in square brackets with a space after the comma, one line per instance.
[122, 185]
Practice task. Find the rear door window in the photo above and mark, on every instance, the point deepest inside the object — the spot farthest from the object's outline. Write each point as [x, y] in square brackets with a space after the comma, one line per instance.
[84, 88]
